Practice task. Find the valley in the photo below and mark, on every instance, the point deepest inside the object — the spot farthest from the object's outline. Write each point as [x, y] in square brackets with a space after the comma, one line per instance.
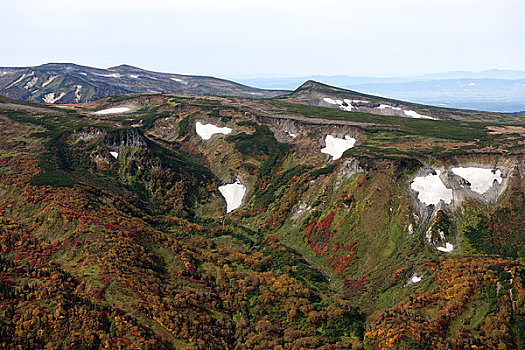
[320, 218]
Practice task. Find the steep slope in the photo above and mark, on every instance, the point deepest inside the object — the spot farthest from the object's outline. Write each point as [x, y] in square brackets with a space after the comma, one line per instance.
[356, 230]
[70, 83]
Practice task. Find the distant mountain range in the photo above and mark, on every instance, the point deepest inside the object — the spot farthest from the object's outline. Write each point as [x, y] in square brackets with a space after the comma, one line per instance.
[71, 83]
[492, 90]
[63, 83]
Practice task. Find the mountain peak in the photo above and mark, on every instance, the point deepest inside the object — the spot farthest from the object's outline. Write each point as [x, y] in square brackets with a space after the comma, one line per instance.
[125, 67]
[309, 84]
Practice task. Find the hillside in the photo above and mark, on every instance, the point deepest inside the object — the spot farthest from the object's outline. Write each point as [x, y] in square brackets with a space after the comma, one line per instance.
[61, 83]
[315, 93]
[346, 229]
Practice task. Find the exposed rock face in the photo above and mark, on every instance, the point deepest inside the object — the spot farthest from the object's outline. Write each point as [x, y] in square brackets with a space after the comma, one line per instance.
[350, 167]
[85, 135]
[460, 188]
[127, 138]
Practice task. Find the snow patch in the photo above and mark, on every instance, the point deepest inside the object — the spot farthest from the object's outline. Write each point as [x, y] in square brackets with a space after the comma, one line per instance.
[233, 194]
[447, 248]
[114, 110]
[183, 82]
[481, 180]
[50, 98]
[415, 279]
[112, 75]
[77, 92]
[31, 83]
[345, 106]
[348, 106]
[302, 208]
[20, 79]
[114, 154]
[383, 106]
[416, 115]
[134, 76]
[206, 131]
[335, 147]
[48, 81]
[431, 189]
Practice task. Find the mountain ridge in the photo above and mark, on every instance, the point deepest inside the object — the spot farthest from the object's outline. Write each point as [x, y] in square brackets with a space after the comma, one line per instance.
[64, 83]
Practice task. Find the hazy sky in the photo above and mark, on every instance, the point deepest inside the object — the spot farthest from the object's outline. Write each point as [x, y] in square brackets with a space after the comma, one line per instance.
[271, 37]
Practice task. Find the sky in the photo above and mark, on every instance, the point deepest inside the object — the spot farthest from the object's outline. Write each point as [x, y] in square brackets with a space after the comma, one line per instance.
[247, 38]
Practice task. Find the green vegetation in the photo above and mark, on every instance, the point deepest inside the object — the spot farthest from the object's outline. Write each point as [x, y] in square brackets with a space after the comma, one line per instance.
[260, 144]
[322, 171]
[50, 175]
[319, 256]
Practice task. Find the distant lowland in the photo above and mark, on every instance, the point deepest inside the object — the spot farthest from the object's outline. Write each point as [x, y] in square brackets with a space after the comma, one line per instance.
[492, 90]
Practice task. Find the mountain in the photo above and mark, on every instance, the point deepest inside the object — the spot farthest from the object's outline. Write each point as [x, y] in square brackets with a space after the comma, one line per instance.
[70, 83]
[494, 90]
[164, 221]
[318, 94]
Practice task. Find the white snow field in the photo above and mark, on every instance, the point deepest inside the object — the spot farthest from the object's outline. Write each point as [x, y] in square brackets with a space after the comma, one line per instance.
[481, 180]
[31, 83]
[348, 106]
[431, 189]
[416, 115]
[112, 75]
[50, 80]
[335, 147]
[382, 106]
[447, 248]
[50, 98]
[206, 131]
[114, 154]
[114, 110]
[233, 194]
[415, 279]
[77, 92]
[183, 82]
